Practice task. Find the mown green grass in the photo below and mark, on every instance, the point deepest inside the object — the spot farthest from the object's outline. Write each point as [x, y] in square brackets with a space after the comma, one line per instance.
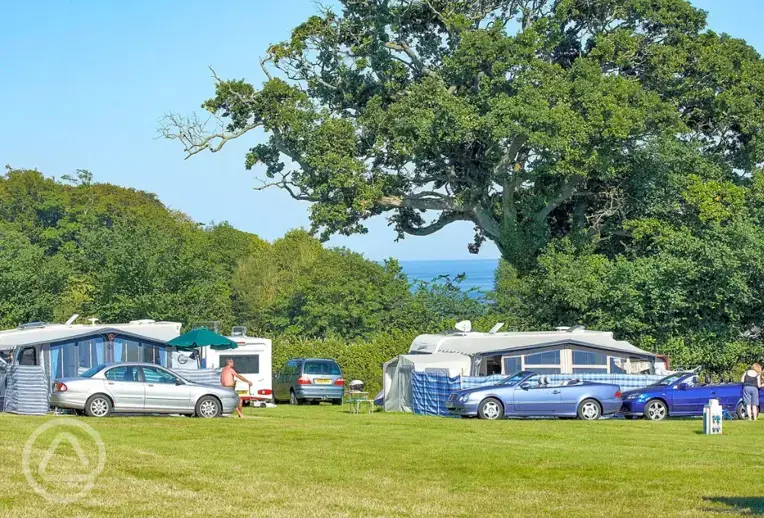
[321, 461]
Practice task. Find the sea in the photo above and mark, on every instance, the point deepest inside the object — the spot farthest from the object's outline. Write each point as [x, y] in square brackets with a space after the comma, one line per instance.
[479, 272]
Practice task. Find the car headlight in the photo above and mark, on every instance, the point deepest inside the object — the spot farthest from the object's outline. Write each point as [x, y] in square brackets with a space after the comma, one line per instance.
[464, 397]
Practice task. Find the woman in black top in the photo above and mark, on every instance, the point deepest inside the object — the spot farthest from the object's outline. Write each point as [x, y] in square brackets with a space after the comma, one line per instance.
[751, 385]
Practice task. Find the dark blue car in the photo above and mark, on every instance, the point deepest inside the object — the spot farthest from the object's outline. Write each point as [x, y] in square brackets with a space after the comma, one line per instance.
[527, 394]
[681, 394]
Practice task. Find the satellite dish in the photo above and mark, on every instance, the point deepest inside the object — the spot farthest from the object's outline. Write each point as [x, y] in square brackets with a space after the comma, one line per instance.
[465, 326]
[495, 329]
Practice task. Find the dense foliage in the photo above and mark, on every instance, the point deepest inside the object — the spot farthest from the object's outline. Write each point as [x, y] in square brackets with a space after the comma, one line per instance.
[531, 119]
[118, 254]
[108, 252]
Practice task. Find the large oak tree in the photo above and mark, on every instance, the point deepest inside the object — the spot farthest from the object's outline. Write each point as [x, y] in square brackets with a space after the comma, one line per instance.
[528, 118]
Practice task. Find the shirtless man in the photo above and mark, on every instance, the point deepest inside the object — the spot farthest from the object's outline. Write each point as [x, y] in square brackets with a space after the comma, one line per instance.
[228, 379]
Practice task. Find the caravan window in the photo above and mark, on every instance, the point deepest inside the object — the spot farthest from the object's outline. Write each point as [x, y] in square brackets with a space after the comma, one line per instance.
[153, 354]
[90, 352]
[512, 365]
[617, 365]
[63, 360]
[546, 358]
[589, 358]
[28, 356]
[249, 363]
[126, 350]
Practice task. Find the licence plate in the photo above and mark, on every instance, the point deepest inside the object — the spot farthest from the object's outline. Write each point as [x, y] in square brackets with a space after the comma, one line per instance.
[322, 381]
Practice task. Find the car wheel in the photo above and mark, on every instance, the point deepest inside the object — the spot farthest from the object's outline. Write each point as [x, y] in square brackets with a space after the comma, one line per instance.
[740, 412]
[589, 410]
[315, 402]
[293, 400]
[208, 407]
[656, 410]
[491, 408]
[336, 402]
[98, 406]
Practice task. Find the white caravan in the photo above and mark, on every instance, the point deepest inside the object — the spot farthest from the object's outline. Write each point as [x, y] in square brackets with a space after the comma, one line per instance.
[252, 359]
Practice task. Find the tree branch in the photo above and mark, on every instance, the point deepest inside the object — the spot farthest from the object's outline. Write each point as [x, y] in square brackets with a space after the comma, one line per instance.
[566, 192]
[510, 181]
[444, 219]
[288, 186]
[416, 61]
[418, 201]
[485, 220]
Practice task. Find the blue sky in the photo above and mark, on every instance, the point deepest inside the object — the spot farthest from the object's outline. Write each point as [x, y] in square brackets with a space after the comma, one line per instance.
[83, 84]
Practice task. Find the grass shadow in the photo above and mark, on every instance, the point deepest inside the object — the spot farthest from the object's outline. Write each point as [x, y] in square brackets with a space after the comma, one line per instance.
[745, 506]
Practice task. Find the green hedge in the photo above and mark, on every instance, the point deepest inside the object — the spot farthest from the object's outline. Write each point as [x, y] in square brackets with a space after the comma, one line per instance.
[360, 360]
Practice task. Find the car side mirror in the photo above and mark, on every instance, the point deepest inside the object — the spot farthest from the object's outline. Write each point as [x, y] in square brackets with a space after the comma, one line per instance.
[683, 386]
[525, 386]
[178, 382]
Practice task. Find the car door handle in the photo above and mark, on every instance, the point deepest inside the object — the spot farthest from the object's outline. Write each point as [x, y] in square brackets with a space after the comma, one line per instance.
[110, 383]
[151, 384]
[555, 392]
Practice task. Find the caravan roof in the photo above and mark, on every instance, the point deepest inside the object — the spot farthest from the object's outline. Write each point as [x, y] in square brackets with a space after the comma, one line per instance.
[45, 333]
[481, 343]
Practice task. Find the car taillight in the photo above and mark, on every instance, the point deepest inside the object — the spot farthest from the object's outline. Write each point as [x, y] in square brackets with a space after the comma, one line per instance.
[303, 380]
[264, 392]
[339, 381]
[60, 387]
[618, 394]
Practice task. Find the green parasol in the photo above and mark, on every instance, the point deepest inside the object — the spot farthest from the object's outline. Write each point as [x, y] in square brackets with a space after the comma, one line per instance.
[201, 337]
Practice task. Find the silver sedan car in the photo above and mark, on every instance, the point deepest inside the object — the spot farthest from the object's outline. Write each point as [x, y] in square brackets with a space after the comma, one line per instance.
[140, 388]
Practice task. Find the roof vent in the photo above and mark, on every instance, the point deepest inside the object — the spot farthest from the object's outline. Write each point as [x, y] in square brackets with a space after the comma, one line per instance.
[495, 329]
[561, 328]
[238, 331]
[142, 322]
[32, 325]
[576, 329]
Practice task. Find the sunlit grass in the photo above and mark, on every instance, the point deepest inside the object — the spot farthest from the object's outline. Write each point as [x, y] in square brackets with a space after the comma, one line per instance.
[321, 461]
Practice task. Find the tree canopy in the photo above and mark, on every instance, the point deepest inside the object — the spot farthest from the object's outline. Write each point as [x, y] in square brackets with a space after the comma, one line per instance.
[531, 119]
[98, 250]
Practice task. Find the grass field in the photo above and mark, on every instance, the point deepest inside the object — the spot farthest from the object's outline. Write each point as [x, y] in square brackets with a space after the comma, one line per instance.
[321, 461]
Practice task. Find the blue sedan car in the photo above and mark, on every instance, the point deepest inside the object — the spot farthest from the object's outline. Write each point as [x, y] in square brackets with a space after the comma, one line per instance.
[527, 394]
[681, 394]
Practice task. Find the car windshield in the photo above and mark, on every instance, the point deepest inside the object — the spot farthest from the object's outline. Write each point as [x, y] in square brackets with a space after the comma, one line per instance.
[92, 371]
[515, 379]
[670, 380]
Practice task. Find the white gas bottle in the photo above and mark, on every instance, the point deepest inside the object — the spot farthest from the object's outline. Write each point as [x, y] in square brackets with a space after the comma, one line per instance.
[712, 417]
